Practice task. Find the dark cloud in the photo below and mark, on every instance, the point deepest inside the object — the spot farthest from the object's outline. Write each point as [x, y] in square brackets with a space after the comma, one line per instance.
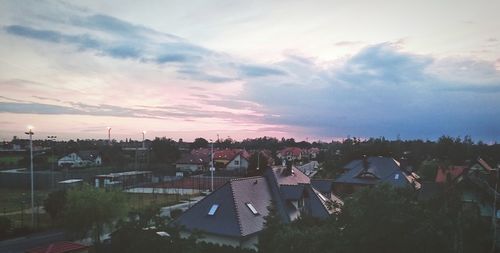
[381, 91]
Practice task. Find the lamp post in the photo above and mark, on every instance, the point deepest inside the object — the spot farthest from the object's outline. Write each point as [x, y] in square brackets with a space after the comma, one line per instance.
[30, 133]
[212, 168]
[258, 160]
[109, 135]
[52, 138]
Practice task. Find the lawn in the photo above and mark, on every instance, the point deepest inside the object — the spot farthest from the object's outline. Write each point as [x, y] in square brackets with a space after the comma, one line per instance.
[11, 160]
[13, 200]
[140, 201]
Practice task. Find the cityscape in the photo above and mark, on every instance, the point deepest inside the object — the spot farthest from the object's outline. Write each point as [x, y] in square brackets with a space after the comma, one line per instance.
[249, 126]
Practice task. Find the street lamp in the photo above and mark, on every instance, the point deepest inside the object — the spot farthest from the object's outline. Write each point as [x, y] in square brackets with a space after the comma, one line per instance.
[109, 135]
[30, 133]
[52, 138]
[212, 168]
[258, 160]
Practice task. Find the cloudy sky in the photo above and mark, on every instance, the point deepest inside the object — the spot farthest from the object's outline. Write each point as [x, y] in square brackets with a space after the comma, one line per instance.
[304, 69]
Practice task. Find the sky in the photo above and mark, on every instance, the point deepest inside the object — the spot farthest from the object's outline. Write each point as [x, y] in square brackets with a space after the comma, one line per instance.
[311, 70]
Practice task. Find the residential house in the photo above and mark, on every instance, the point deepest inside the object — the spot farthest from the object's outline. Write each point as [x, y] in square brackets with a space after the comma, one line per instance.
[290, 154]
[449, 174]
[475, 184]
[310, 169]
[191, 163]
[80, 159]
[234, 214]
[123, 179]
[313, 153]
[373, 170]
[239, 162]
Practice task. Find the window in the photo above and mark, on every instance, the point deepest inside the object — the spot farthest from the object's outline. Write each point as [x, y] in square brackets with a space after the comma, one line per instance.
[213, 209]
[396, 177]
[236, 162]
[322, 197]
[252, 209]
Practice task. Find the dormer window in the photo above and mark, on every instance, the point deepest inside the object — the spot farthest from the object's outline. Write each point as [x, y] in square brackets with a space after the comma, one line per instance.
[213, 209]
[252, 208]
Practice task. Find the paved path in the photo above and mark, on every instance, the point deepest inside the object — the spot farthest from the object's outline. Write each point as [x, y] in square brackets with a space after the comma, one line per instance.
[165, 211]
[21, 244]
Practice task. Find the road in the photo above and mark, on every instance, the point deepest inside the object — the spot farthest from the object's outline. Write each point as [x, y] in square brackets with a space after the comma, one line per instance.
[165, 211]
[21, 244]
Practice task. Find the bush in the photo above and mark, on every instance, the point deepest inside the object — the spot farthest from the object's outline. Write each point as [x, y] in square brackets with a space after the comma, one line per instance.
[5, 226]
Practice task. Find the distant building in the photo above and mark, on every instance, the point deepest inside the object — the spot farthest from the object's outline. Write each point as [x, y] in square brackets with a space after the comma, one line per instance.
[191, 163]
[475, 183]
[234, 214]
[80, 159]
[290, 154]
[239, 162]
[373, 170]
[123, 179]
[449, 174]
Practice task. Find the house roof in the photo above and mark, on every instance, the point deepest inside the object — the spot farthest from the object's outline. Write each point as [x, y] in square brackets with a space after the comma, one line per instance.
[296, 177]
[89, 155]
[484, 164]
[322, 185]
[233, 217]
[378, 170]
[310, 166]
[59, 247]
[291, 150]
[187, 158]
[452, 171]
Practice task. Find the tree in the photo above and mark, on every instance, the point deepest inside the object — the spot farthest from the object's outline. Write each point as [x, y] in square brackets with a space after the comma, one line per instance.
[199, 143]
[272, 225]
[55, 203]
[256, 161]
[89, 209]
[165, 150]
[5, 226]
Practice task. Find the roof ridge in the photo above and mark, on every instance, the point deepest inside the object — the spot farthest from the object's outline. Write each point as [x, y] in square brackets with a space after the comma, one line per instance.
[245, 178]
[236, 208]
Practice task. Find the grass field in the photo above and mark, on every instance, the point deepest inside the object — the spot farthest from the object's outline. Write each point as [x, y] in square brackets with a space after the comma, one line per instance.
[10, 159]
[13, 200]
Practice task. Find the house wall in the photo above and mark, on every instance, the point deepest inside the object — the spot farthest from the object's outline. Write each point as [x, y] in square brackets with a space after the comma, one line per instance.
[188, 167]
[238, 163]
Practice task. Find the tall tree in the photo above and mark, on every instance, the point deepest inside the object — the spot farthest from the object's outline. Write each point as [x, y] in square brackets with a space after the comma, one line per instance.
[165, 150]
[89, 210]
[199, 143]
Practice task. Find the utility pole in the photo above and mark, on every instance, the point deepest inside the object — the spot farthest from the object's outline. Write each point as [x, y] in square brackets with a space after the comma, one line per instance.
[212, 168]
[109, 136]
[30, 133]
[494, 214]
[52, 138]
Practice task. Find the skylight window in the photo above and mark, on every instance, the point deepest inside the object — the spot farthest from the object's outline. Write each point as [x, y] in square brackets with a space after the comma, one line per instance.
[322, 197]
[213, 209]
[252, 209]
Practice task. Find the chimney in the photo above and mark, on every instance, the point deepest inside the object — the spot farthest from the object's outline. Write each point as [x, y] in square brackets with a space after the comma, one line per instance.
[288, 170]
[366, 164]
